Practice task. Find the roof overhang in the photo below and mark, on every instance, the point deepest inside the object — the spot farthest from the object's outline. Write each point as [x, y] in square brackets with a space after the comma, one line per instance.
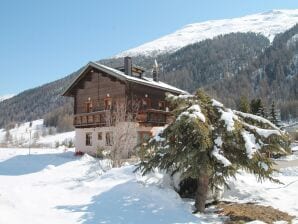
[120, 76]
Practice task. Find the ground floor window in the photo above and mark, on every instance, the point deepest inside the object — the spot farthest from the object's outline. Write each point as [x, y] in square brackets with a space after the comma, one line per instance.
[109, 138]
[99, 136]
[88, 139]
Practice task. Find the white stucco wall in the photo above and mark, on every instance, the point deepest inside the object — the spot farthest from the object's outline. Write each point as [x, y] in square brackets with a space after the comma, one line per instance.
[124, 128]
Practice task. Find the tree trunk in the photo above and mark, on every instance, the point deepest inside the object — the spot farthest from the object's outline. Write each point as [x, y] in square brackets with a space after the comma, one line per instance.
[201, 194]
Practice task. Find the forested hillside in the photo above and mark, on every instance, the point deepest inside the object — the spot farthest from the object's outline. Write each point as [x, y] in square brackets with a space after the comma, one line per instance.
[227, 67]
[272, 76]
[36, 103]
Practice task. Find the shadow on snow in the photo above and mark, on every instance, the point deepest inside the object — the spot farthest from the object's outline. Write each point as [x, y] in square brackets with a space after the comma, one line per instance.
[133, 202]
[26, 164]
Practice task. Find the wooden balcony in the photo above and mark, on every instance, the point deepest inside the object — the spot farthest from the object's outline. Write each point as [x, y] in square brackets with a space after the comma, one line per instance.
[92, 119]
[148, 117]
[153, 117]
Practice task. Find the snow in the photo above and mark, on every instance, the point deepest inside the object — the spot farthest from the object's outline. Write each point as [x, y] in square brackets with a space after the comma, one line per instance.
[20, 135]
[246, 188]
[6, 97]
[263, 165]
[157, 132]
[52, 140]
[255, 117]
[263, 132]
[268, 23]
[220, 157]
[250, 143]
[51, 186]
[183, 96]
[228, 117]
[194, 112]
[292, 40]
[216, 152]
[215, 103]
[144, 80]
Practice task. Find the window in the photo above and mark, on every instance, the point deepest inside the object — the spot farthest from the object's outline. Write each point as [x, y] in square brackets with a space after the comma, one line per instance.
[88, 139]
[109, 138]
[89, 107]
[99, 136]
[108, 103]
[161, 105]
[146, 103]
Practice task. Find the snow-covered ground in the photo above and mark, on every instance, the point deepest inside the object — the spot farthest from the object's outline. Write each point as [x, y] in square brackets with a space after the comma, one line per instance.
[268, 23]
[40, 135]
[53, 186]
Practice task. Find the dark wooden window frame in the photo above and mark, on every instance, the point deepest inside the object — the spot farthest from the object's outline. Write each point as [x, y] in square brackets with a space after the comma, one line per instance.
[109, 138]
[99, 136]
[108, 103]
[88, 139]
[89, 106]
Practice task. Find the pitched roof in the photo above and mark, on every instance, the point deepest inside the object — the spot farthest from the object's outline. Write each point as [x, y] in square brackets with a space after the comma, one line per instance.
[122, 76]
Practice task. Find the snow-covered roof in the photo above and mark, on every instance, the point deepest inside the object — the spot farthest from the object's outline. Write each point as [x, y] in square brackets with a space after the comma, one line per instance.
[122, 76]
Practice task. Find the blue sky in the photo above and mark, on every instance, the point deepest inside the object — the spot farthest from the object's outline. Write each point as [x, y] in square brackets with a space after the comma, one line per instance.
[41, 41]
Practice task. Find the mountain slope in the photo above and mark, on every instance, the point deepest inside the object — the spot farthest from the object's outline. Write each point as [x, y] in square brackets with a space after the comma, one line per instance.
[272, 76]
[34, 103]
[269, 24]
[227, 66]
[6, 97]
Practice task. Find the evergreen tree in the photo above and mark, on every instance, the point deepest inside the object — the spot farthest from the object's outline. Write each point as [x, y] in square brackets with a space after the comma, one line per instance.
[262, 110]
[209, 143]
[243, 105]
[257, 108]
[255, 105]
[274, 116]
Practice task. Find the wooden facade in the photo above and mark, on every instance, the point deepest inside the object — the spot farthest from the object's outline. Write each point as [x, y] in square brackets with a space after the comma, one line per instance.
[96, 95]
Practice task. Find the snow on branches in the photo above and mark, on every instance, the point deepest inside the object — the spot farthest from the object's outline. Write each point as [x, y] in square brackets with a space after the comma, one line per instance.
[210, 140]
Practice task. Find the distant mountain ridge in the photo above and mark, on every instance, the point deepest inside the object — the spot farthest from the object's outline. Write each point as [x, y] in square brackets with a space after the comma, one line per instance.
[226, 66]
[268, 24]
[6, 97]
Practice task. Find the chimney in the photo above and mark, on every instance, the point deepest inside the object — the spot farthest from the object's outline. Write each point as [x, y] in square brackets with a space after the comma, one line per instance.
[155, 71]
[128, 66]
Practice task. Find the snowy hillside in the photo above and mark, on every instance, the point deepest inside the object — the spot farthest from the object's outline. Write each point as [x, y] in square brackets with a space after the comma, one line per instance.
[57, 187]
[269, 24]
[5, 97]
[19, 136]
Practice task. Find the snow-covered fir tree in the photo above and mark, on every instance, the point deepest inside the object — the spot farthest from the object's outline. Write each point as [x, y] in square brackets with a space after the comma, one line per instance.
[209, 143]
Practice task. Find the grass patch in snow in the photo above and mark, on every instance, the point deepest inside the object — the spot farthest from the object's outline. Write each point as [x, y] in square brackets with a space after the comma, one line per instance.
[247, 212]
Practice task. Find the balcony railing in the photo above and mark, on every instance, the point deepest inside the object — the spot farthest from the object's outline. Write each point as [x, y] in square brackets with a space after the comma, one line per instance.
[92, 119]
[100, 118]
[153, 116]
